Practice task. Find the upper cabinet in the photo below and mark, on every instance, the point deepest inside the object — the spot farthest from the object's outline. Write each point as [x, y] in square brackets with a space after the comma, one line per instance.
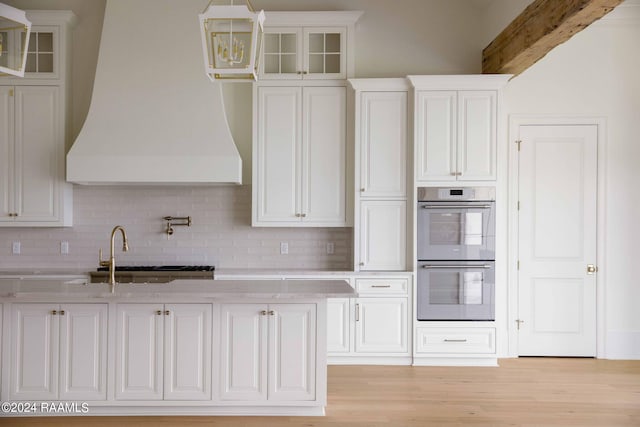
[308, 45]
[456, 118]
[299, 166]
[33, 129]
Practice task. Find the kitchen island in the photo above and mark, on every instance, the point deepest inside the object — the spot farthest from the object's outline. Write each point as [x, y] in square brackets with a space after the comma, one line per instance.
[198, 347]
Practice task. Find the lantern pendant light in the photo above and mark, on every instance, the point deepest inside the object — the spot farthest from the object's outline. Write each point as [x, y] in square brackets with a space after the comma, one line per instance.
[231, 41]
[15, 30]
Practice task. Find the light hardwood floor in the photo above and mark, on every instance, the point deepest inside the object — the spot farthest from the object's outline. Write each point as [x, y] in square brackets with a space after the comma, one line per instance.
[521, 392]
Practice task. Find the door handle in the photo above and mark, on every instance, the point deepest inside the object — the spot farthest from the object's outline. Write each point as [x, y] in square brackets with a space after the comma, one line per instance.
[591, 269]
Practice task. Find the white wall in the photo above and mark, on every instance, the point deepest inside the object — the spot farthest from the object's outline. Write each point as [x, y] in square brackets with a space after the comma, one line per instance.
[596, 74]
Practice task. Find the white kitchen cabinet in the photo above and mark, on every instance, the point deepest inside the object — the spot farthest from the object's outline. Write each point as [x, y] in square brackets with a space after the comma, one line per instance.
[373, 328]
[33, 191]
[456, 135]
[33, 129]
[456, 122]
[308, 45]
[58, 352]
[382, 144]
[383, 235]
[381, 325]
[164, 352]
[268, 352]
[299, 172]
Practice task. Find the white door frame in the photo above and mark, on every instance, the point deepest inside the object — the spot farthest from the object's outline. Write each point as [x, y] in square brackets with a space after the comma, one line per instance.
[515, 121]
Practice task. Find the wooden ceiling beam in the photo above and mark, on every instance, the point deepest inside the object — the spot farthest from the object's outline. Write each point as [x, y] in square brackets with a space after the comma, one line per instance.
[543, 25]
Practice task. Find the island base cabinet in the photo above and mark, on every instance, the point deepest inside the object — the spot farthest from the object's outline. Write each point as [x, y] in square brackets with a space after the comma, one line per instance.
[58, 352]
[268, 352]
[164, 352]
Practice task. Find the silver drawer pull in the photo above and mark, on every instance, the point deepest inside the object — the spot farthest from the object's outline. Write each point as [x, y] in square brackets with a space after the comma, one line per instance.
[456, 266]
[456, 206]
[448, 340]
[380, 286]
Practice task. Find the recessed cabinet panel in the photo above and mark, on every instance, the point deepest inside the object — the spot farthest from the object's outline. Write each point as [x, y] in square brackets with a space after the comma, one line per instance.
[338, 331]
[37, 153]
[187, 352]
[139, 352]
[34, 373]
[436, 139]
[292, 352]
[243, 352]
[83, 344]
[477, 135]
[6, 152]
[381, 325]
[278, 153]
[383, 234]
[323, 155]
[383, 144]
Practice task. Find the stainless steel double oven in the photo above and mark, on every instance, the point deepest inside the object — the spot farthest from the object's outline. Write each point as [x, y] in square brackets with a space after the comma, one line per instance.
[456, 253]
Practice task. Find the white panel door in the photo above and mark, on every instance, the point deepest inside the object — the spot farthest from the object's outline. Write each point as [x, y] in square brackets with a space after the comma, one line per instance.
[323, 155]
[243, 352]
[278, 154]
[292, 351]
[383, 144]
[83, 352]
[187, 352]
[383, 234]
[338, 336]
[139, 351]
[37, 139]
[436, 136]
[557, 228]
[381, 325]
[34, 352]
[6, 152]
[476, 135]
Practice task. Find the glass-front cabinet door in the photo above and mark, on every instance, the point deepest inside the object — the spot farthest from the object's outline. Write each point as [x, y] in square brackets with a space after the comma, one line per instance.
[324, 53]
[282, 54]
[303, 53]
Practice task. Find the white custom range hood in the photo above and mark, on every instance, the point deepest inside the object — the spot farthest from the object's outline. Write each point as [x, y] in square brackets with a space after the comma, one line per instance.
[155, 118]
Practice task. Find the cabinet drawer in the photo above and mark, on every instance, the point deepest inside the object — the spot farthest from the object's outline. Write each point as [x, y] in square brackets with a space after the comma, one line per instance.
[382, 286]
[453, 340]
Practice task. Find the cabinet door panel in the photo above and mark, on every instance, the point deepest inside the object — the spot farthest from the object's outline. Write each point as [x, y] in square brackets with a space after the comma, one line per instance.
[292, 351]
[187, 352]
[6, 152]
[278, 154]
[382, 325]
[383, 144]
[243, 352]
[282, 54]
[338, 337]
[323, 155]
[477, 135]
[139, 352]
[83, 352]
[38, 140]
[383, 235]
[324, 53]
[34, 373]
[436, 138]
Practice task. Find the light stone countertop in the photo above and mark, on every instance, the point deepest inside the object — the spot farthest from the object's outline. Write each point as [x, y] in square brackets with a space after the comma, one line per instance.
[198, 289]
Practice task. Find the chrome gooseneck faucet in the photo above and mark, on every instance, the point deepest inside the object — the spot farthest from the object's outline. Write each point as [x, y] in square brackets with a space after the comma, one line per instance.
[111, 263]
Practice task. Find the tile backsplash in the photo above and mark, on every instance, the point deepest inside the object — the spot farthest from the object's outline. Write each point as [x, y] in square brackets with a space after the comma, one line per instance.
[221, 233]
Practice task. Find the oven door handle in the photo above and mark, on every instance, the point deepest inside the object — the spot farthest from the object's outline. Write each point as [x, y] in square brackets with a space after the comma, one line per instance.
[456, 266]
[456, 207]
